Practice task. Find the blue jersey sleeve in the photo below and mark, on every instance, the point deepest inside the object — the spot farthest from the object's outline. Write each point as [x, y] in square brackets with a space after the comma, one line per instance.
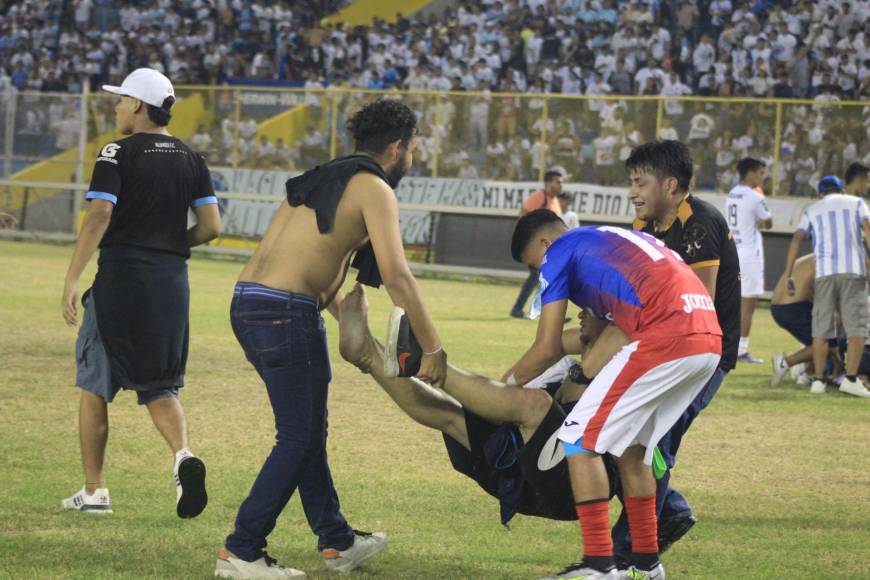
[555, 274]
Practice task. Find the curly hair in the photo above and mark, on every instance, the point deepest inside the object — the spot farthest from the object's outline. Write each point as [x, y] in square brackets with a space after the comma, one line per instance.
[380, 123]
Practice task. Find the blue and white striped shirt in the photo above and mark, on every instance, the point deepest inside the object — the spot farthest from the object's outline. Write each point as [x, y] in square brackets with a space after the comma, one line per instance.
[834, 223]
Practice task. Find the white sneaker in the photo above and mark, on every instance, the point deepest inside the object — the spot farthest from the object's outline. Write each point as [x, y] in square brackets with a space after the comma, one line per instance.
[817, 388]
[365, 545]
[780, 368]
[95, 503]
[580, 571]
[804, 379]
[855, 388]
[635, 573]
[798, 370]
[228, 566]
[190, 495]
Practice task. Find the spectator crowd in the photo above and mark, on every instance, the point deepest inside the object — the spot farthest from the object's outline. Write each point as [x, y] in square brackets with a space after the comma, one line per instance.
[721, 48]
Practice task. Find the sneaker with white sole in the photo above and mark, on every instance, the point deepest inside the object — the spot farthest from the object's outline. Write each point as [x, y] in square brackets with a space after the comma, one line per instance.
[746, 357]
[798, 370]
[855, 388]
[580, 571]
[94, 503]
[229, 566]
[804, 380]
[780, 368]
[817, 388]
[635, 573]
[190, 495]
[365, 545]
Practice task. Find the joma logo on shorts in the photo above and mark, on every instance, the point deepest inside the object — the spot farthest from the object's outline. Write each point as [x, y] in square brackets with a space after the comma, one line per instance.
[696, 302]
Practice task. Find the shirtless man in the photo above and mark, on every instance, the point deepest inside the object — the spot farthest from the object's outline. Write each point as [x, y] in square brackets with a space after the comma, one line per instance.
[332, 212]
[794, 313]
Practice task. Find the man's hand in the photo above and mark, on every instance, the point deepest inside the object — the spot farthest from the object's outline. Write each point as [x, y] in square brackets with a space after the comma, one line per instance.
[69, 302]
[569, 391]
[790, 287]
[7, 221]
[433, 369]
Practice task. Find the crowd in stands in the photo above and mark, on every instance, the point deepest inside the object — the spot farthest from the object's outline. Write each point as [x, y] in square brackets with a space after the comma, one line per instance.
[723, 48]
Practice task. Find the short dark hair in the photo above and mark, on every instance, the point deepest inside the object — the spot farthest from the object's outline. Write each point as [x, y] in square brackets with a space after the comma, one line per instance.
[381, 122]
[749, 164]
[161, 115]
[529, 225]
[663, 158]
[551, 175]
[856, 170]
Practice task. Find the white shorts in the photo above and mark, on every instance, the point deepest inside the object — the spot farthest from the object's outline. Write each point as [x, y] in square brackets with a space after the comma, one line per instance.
[751, 277]
[639, 395]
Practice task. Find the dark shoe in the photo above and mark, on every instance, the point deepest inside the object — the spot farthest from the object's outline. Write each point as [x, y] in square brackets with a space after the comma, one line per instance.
[403, 354]
[672, 529]
[517, 314]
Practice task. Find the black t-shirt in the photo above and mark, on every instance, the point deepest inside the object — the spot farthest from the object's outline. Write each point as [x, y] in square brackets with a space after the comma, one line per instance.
[702, 238]
[153, 180]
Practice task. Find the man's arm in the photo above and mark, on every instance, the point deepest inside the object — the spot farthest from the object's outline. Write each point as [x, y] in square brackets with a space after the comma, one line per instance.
[7, 221]
[793, 248]
[708, 276]
[602, 349]
[208, 225]
[547, 348]
[94, 226]
[764, 224]
[381, 215]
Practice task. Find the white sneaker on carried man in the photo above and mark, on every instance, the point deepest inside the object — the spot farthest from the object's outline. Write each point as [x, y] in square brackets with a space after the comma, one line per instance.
[92, 503]
[818, 387]
[780, 368]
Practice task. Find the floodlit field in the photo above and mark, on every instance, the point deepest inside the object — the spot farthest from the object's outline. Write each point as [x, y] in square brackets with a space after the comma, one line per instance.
[780, 479]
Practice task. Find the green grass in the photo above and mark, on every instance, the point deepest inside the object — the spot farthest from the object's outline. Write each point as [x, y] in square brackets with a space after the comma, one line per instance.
[780, 479]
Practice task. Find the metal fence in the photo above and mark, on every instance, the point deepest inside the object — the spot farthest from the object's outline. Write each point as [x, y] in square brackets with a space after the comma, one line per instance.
[54, 137]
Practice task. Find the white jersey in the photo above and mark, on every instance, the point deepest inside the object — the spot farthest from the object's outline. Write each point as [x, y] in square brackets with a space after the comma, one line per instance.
[834, 222]
[743, 209]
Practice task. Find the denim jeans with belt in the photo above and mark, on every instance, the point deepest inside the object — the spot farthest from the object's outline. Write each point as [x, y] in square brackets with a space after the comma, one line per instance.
[283, 336]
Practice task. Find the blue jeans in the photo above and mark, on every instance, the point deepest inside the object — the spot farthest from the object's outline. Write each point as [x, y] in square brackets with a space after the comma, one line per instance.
[669, 502]
[283, 336]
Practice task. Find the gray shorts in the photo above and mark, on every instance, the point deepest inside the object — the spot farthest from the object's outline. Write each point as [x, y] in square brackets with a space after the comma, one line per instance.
[843, 293]
[93, 369]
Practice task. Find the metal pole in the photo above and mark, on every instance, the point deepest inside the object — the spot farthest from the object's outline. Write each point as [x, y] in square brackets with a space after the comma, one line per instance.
[23, 223]
[437, 142]
[660, 108]
[80, 165]
[545, 113]
[237, 113]
[777, 143]
[11, 106]
[333, 116]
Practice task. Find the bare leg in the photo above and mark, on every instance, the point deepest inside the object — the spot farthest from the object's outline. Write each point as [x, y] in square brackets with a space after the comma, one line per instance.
[637, 477]
[168, 416]
[588, 477]
[820, 353]
[853, 354]
[747, 309]
[424, 404]
[93, 434]
[804, 355]
[489, 399]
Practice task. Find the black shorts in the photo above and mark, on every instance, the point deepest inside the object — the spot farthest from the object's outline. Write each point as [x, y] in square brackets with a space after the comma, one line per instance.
[796, 318]
[531, 478]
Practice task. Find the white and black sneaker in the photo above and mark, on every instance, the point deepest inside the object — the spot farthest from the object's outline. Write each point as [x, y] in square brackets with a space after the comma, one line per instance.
[94, 503]
[403, 354]
[190, 495]
[229, 566]
[365, 545]
[582, 571]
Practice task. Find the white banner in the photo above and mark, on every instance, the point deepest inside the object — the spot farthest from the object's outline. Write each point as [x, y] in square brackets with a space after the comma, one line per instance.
[591, 202]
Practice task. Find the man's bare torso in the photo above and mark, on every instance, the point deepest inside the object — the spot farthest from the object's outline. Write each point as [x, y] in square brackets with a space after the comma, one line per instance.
[803, 273]
[294, 256]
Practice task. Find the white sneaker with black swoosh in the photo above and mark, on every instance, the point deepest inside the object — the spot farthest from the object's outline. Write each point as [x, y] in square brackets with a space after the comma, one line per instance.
[365, 545]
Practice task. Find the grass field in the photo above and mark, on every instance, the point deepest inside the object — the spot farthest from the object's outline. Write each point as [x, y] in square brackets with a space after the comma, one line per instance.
[780, 479]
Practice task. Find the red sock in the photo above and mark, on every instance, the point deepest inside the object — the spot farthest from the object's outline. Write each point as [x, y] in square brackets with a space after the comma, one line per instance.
[595, 528]
[642, 524]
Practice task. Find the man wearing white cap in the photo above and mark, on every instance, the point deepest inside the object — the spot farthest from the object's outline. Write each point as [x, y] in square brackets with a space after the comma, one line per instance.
[134, 332]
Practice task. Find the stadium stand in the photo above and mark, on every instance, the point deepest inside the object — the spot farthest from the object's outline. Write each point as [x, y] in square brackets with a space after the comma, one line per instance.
[595, 48]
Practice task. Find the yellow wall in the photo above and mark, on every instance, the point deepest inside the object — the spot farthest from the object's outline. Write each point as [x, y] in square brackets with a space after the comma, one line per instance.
[289, 125]
[362, 12]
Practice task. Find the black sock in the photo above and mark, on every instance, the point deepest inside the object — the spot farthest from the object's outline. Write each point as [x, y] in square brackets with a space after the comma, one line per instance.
[600, 563]
[852, 378]
[645, 561]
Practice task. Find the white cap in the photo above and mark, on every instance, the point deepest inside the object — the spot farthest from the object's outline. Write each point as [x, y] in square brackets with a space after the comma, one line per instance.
[146, 84]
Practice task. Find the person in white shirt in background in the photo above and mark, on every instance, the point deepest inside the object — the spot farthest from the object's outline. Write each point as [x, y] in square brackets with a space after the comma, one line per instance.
[839, 225]
[747, 214]
[568, 216]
